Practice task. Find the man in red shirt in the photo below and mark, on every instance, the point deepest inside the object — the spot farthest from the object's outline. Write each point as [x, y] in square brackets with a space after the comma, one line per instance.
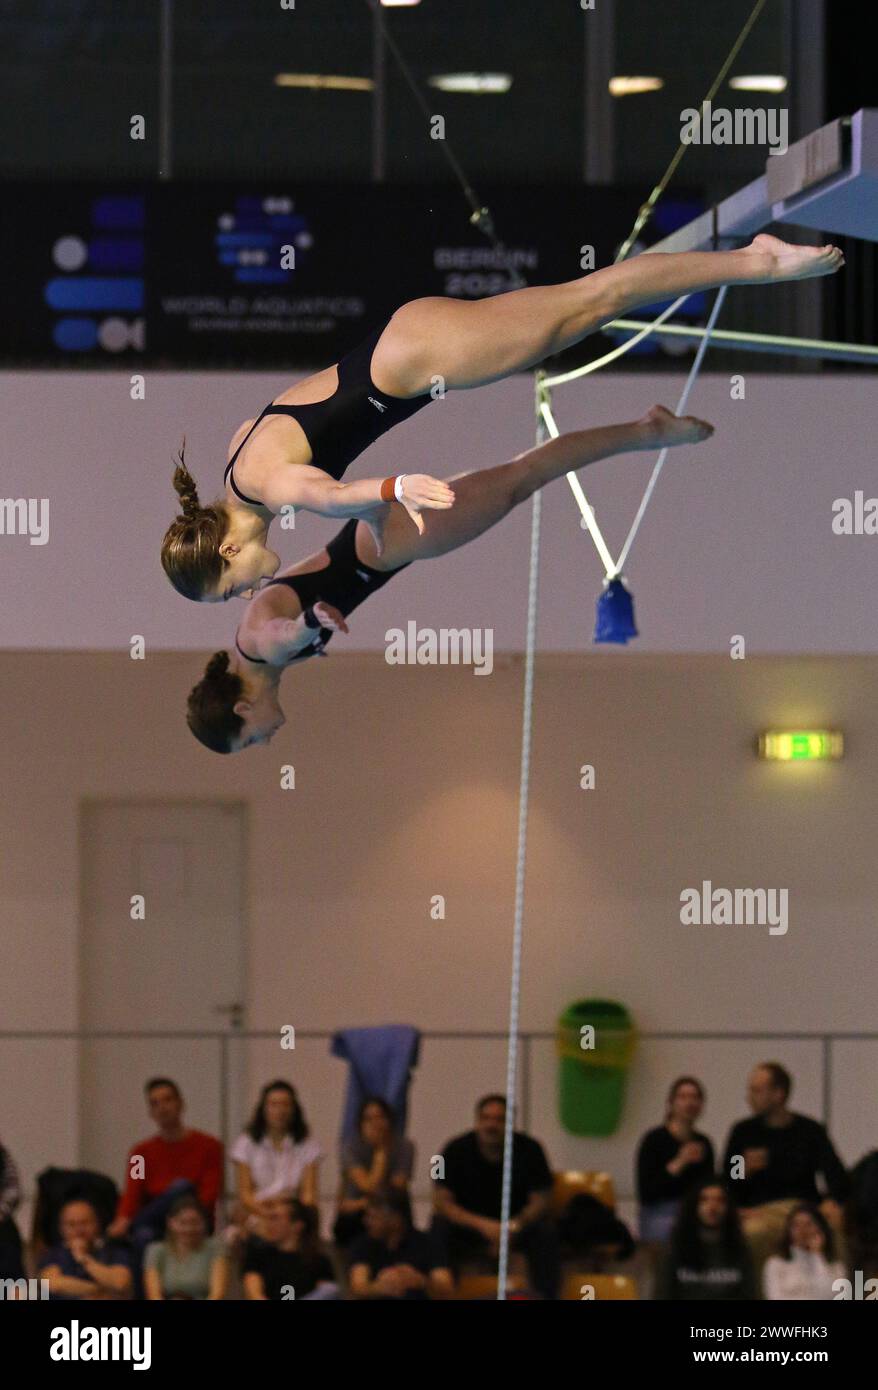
[159, 1169]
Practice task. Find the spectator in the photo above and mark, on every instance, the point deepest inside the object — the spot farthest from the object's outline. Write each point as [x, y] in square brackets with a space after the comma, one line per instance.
[288, 1263]
[707, 1258]
[468, 1198]
[275, 1156]
[377, 1161]
[862, 1215]
[783, 1154]
[55, 1186]
[188, 1263]
[671, 1160]
[160, 1169]
[84, 1265]
[806, 1266]
[10, 1239]
[393, 1260]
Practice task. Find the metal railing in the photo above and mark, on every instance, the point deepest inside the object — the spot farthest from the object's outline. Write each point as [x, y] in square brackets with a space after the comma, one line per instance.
[527, 1039]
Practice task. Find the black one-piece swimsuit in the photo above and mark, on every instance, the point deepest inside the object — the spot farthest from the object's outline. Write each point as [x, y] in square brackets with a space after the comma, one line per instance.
[341, 427]
[344, 583]
[337, 430]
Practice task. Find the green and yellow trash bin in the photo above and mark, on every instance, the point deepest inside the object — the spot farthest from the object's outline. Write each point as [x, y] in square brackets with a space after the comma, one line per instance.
[595, 1042]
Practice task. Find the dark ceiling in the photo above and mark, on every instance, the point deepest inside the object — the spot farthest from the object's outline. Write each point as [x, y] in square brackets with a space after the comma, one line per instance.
[75, 71]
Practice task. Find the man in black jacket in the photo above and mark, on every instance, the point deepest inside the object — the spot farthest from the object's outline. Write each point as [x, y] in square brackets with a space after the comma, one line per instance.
[468, 1197]
[774, 1159]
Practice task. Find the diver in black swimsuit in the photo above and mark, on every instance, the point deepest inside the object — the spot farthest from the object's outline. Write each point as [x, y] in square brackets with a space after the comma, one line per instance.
[295, 453]
[218, 552]
[236, 704]
[347, 422]
[343, 584]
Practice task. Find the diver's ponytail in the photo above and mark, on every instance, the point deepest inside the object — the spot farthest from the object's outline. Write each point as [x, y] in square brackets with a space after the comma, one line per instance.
[184, 486]
[190, 550]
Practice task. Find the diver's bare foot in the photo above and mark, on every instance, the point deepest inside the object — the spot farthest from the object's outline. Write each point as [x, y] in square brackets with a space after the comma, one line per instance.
[664, 430]
[775, 260]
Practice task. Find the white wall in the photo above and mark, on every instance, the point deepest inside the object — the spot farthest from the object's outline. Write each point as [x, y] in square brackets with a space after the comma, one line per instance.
[406, 787]
[738, 538]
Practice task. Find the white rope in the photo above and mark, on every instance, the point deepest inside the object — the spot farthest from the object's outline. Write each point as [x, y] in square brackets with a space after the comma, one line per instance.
[681, 407]
[546, 424]
[585, 506]
[613, 567]
[620, 351]
[543, 385]
[772, 343]
[546, 427]
[520, 862]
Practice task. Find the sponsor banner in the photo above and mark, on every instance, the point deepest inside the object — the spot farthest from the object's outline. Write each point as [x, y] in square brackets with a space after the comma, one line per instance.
[206, 274]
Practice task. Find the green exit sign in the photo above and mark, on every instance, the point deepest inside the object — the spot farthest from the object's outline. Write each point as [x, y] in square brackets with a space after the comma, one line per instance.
[801, 745]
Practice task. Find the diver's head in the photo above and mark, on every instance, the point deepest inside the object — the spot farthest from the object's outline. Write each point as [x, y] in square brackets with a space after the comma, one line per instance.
[216, 552]
[227, 711]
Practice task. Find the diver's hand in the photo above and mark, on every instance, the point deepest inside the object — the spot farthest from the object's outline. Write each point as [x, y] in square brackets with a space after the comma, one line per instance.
[330, 617]
[420, 492]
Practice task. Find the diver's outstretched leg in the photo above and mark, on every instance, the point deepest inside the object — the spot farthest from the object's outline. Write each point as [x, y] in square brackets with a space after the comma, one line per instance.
[459, 343]
[484, 497]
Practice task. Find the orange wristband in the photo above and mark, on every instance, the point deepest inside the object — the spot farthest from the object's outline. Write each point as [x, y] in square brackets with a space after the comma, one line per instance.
[387, 489]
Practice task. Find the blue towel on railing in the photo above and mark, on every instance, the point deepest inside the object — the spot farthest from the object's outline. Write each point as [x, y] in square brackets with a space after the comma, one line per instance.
[380, 1061]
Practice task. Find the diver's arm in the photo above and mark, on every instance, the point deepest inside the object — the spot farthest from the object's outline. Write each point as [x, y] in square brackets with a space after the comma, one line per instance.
[282, 638]
[315, 491]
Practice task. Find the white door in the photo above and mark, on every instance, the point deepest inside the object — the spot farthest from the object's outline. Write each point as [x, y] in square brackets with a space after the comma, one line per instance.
[161, 951]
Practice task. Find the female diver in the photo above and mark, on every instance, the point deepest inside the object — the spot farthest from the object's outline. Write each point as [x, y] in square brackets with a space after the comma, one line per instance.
[296, 452]
[235, 704]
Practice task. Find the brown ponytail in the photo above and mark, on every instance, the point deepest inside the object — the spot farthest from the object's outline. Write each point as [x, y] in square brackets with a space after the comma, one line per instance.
[210, 711]
[184, 486]
[190, 549]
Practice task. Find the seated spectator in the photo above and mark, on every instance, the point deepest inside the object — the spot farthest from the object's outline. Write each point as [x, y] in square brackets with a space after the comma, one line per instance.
[55, 1186]
[590, 1230]
[10, 1239]
[805, 1268]
[393, 1259]
[162, 1168]
[468, 1198]
[707, 1257]
[84, 1265]
[188, 1263]
[862, 1215]
[275, 1156]
[288, 1262]
[671, 1160]
[375, 1162]
[782, 1155]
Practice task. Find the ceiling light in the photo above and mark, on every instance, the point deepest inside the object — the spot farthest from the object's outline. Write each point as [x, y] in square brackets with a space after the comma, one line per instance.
[757, 83]
[317, 81]
[389, 4]
[633, 86]
[480, 82]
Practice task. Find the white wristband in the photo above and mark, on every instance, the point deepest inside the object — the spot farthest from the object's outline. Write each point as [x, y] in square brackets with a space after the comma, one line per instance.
[397, 486]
